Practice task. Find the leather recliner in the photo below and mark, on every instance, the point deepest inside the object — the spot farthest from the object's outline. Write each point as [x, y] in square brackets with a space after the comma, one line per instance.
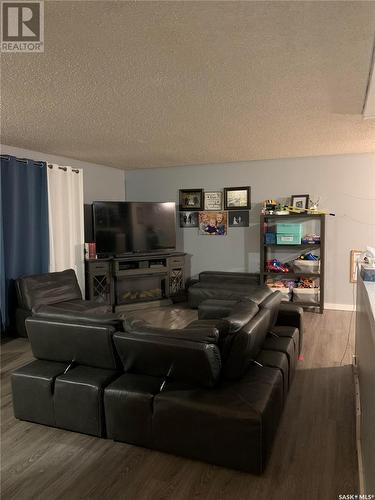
[59, 290]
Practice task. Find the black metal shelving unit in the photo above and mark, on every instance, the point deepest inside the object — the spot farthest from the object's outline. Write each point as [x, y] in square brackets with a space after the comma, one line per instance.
[265, 219]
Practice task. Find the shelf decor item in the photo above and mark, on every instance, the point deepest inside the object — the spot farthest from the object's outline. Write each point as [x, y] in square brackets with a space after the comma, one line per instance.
[238, 218]
[213, 200]
[300, 201]
[189, 219]
[191, 199]
[237, 198]
[213, 223]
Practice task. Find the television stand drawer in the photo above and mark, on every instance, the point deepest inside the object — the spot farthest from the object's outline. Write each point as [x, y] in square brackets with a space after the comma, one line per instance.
[176, 262]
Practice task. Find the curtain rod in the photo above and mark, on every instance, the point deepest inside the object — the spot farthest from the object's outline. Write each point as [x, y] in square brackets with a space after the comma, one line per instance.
[22, 160]
[39, 163]
[75, 170]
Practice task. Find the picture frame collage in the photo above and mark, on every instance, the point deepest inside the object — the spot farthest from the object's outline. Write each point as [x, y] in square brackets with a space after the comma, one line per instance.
[212, 212]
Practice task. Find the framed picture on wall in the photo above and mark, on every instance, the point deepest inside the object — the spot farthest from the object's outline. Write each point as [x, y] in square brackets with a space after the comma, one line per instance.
[354, 258]
[237, 198]
[213, 223]
[238, 218]
[300, 201]
[191, 199]
[189, 219]
[213, 200]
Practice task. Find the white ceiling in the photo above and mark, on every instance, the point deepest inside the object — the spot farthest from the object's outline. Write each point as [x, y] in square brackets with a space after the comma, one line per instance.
[144, 84]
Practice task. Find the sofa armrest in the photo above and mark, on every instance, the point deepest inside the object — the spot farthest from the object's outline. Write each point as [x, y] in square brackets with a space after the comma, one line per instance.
[291, 315]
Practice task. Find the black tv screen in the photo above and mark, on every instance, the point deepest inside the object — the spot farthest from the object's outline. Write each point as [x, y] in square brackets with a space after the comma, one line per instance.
[123, 227]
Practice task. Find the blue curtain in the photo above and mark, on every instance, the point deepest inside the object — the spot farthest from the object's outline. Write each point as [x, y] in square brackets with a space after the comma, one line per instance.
[24, 243]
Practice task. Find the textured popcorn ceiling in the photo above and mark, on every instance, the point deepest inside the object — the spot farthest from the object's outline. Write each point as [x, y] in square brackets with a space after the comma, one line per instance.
[143, 84]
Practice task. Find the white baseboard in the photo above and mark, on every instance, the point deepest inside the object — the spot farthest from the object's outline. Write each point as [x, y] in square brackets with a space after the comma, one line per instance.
[339, 307]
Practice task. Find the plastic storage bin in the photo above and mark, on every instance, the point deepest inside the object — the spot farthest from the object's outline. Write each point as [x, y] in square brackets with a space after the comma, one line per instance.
[269, 238]
[285, 291]
[288, 239]
[306, 295]
[306, 266]
[288, 234]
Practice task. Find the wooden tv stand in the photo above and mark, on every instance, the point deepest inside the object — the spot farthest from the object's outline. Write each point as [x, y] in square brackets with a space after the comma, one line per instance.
[136, 280]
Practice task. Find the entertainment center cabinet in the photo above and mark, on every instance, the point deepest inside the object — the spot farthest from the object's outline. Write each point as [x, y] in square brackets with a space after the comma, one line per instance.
[134, 281]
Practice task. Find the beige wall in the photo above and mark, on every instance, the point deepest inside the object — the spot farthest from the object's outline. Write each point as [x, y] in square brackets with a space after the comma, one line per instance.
[99, 182]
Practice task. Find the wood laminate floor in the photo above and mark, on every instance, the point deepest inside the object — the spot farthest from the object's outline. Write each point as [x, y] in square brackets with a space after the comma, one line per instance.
[313, 457]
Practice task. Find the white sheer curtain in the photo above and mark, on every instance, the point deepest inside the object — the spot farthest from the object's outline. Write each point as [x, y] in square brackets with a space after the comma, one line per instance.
[66, 223]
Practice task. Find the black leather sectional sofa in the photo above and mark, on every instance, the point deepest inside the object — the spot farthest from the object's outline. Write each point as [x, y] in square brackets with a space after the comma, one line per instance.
[213, 391]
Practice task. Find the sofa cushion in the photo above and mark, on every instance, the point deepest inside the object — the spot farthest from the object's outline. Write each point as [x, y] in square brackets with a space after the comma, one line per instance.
[94, 316]
[85, 344]
[140, 327]
[193, 357]
[222, 327]
[77, 306]
[221, 277]
[243, 312]
[232, 426]
[215, 308]
[246, 345]
[48, 288]
[201, 291]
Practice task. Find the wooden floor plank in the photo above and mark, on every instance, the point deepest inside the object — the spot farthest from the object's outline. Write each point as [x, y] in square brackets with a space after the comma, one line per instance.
[313, 457]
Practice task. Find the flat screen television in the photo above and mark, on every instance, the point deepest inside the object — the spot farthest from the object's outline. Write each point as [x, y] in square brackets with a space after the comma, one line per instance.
[132, 227]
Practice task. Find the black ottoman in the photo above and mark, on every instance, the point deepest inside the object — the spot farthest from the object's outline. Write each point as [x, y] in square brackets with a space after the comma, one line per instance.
[232, 426]
[33, 388]
[79, 399]
[128, 405]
